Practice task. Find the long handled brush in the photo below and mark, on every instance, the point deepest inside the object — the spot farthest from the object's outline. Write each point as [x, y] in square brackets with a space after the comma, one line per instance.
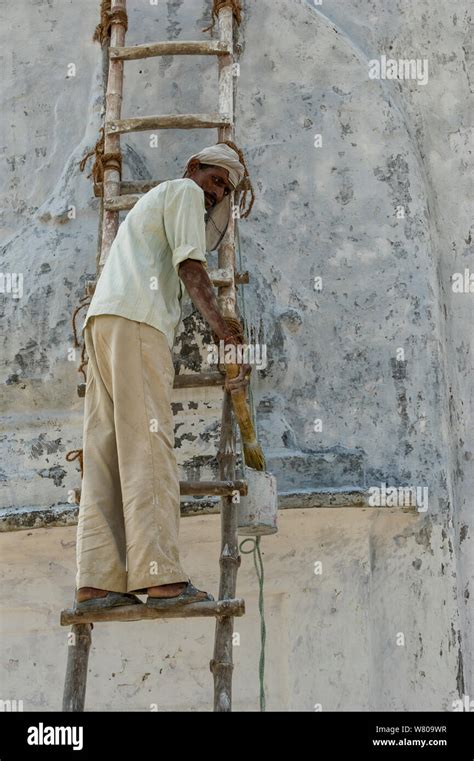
[253, 454]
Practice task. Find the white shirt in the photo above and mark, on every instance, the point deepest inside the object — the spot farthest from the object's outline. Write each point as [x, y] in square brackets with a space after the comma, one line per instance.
[140, 277]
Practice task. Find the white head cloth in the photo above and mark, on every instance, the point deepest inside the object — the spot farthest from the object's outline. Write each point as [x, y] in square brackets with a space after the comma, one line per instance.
[217, 219]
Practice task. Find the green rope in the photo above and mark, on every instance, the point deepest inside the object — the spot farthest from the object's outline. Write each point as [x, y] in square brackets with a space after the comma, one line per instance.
[257, 555]
[263, 632]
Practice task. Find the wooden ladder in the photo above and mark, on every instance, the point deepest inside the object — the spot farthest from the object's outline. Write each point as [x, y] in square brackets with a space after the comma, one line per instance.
[118, 196]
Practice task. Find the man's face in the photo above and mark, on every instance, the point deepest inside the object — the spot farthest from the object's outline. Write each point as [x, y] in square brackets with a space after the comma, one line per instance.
[214, 180]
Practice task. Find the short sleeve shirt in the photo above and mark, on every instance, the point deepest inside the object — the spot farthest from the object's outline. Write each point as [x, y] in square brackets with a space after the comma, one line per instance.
[140, 278]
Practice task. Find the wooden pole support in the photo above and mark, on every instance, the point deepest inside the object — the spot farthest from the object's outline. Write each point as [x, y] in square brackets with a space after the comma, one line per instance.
[113, 107]
[221, 664]
[79, 642]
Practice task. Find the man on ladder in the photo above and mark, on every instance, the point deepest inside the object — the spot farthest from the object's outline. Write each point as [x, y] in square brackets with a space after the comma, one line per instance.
[127, 536]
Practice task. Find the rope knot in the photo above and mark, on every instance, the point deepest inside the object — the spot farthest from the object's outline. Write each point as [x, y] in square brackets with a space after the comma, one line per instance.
[102, 161]
[218, 5]
[76, 454]
[107, 18]
[245, 182]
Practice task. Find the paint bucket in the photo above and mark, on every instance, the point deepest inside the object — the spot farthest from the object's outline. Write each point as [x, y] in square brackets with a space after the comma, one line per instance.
[257, 511]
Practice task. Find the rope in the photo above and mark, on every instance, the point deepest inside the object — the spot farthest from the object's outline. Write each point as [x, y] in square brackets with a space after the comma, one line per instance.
[103, 161]
[83, 364]
[84, 302]
[76, 454]
[107, 18]
[218, 5]
[243, 212]
[263, 632]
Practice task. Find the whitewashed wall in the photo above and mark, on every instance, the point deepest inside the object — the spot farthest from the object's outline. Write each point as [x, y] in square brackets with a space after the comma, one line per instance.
[328, 212]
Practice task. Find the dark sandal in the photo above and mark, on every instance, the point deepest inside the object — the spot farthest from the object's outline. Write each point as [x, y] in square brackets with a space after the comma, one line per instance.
[111, 600]
[189, 594]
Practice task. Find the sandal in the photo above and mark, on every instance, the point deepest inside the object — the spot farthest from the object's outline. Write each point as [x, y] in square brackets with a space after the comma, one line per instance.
[189, 594]
[111, 600]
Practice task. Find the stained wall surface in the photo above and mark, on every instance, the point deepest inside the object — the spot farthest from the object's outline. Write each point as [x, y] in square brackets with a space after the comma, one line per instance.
[378, 350]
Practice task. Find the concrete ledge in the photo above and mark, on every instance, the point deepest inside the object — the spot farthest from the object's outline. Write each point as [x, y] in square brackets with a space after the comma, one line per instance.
[26, 518]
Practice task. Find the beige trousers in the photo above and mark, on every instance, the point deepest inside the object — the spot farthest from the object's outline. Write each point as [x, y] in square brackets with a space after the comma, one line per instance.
[127, 534]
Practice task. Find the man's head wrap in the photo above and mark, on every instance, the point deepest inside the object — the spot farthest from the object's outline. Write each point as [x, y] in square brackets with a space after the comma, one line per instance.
[217, 218]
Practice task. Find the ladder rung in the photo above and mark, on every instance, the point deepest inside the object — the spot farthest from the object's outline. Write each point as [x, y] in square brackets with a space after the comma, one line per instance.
[212, 488]
[200, 47]
[203, 489]
[219, 608]
[199, 380]
[218, 277]
[221, 277]
[186, 380]
[122, 203]
[167, 121]
[130, 186]
[143, 186]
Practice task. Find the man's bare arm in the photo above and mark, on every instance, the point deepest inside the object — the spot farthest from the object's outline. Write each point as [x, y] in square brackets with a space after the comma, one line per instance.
[201, 292]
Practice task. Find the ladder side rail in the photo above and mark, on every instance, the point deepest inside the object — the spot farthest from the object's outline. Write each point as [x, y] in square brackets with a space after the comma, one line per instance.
[75, 682]
[113, 107]
[78, 653]
[222, 663]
